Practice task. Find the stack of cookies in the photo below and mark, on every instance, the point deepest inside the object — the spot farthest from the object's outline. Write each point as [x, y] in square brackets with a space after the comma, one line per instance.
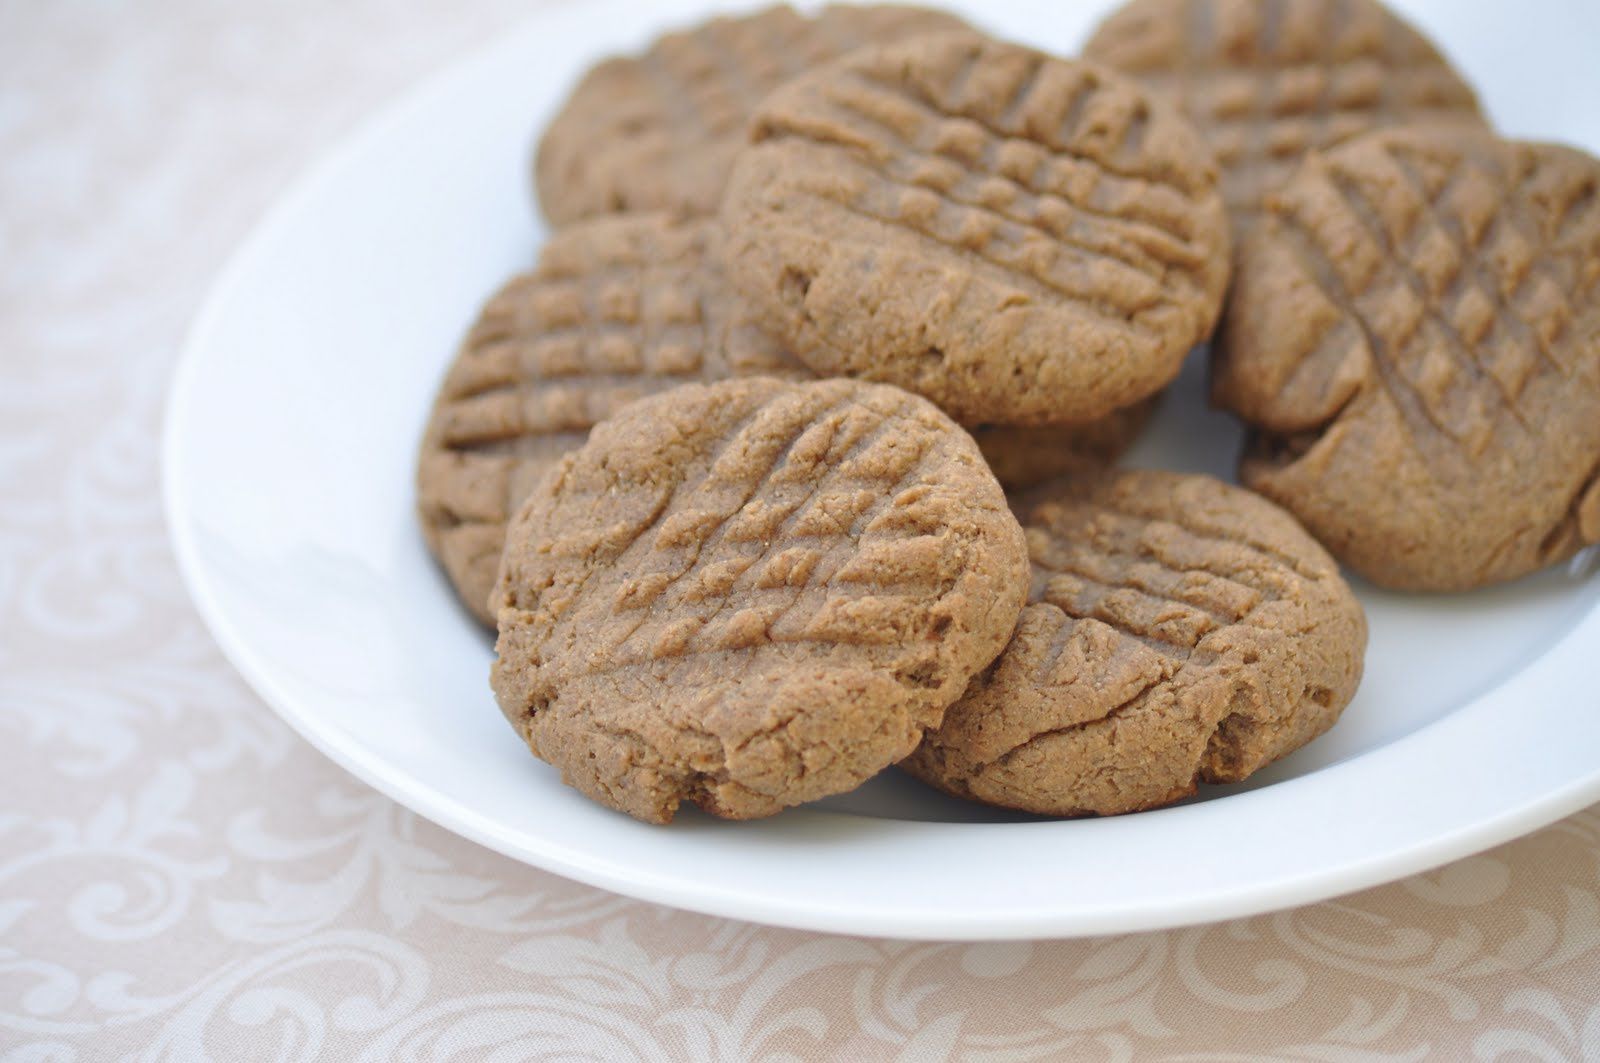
[793, 457]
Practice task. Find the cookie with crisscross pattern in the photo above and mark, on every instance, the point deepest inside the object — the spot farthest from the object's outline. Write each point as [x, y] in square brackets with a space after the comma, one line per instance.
[658, 131]
[752, 594]
[1268, 81]
[1022, 239]
[1415, 336]
[1178, 630]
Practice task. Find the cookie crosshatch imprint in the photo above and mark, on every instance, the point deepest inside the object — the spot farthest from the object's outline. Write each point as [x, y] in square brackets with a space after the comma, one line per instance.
[1269, 82]
[818, 553]
[1426, 306]
[1021, 238]
[617, 309]
[768, 589]
[1178, 630]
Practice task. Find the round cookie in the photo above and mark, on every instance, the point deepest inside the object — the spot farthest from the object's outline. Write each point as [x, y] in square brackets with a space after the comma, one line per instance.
[1026, 456]
[618, 308]
[1179, 629]
[1415, 336]
[752, 594]
[1021, 239]
[1268, 81]
[658, 131]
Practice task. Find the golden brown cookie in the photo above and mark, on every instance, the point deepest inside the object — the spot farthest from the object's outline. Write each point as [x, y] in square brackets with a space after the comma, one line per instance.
[1025, 456]
[618, 308]
[1179, 629]
[1268, 81]
[1415, 336]
[1021, 239]
[658, 131]
[752, 594]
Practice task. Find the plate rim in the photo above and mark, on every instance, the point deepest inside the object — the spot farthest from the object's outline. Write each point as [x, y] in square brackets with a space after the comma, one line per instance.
[345, 750]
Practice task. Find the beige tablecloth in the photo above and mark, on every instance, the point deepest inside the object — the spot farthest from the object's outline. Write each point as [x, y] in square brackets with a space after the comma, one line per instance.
[180, 877]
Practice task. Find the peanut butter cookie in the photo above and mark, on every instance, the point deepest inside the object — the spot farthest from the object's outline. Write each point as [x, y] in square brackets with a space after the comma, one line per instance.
[1179, 630]
[752, 594]
[1268, 81]
[1021, 239]
[1415, 336]
[658, 131]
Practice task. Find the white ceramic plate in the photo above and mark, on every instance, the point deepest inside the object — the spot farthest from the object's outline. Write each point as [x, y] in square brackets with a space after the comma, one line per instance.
[290, 439]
